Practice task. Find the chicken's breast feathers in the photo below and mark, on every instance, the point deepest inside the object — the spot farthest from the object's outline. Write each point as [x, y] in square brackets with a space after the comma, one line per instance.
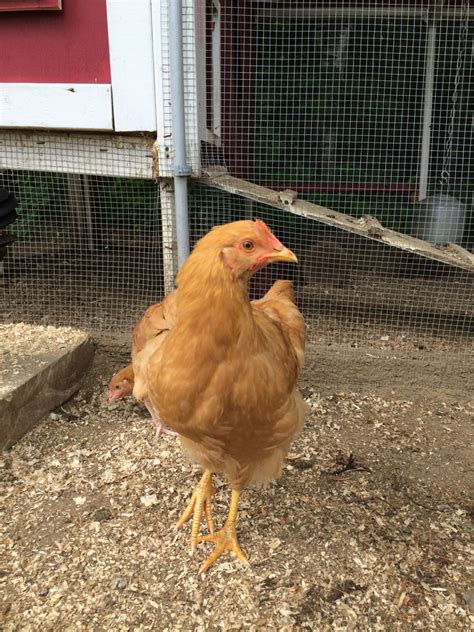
[227, 385]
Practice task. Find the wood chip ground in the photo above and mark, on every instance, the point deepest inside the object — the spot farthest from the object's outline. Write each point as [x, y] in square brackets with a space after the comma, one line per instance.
[367, 529]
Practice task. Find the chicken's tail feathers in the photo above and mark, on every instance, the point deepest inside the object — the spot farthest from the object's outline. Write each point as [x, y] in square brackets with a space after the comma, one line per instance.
[281, 288]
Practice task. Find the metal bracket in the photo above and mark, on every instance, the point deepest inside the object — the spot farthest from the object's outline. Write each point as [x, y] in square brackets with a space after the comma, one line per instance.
[288, 197]
[181, 170]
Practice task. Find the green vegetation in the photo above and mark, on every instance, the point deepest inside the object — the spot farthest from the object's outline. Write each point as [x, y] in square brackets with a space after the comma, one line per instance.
[48, 202]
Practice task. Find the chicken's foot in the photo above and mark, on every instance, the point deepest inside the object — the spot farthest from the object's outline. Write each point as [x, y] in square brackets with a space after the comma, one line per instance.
[201, 503]
[226, 538]
[161, 428]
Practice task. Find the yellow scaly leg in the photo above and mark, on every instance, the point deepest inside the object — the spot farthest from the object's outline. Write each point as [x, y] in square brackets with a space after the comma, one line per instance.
[226, 538]
[200, 503]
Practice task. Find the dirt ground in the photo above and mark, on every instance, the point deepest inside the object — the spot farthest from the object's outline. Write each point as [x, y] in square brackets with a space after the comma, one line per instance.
[368, 527]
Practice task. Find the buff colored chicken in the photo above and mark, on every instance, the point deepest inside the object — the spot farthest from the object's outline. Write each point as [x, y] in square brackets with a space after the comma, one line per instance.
[224, 376]
[156, 321]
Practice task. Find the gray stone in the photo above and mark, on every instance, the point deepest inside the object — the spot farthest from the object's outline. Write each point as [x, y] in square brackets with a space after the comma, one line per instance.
[33, 385]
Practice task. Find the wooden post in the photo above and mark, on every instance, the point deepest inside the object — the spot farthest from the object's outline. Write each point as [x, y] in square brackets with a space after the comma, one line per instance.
[168, 234]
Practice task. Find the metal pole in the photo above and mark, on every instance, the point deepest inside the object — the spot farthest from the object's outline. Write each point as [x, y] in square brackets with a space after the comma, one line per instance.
[181, 170]
[427, 111]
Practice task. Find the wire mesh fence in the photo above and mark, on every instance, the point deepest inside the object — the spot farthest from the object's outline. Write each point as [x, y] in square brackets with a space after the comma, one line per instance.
[365, 108]
[88, 253]
[362, 107]
[348, 286]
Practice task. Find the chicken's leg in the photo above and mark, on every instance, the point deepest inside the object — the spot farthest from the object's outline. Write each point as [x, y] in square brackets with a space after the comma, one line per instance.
[161, 428]
[200, 504]
[226, 538]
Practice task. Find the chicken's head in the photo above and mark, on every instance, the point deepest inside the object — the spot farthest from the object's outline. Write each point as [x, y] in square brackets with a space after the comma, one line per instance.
[120, 386]
[246, 246]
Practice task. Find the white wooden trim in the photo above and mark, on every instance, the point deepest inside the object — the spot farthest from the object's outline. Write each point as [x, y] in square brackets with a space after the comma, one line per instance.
[164, 157]
[56, 105]
[92, 154]
[196, 79]
[131, 64]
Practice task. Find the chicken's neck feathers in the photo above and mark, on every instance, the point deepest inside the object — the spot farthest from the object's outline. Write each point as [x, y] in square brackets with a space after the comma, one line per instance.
[212, 300]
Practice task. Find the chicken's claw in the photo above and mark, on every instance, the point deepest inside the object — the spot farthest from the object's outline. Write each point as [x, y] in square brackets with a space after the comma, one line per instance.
[224, 540]
[200, 503]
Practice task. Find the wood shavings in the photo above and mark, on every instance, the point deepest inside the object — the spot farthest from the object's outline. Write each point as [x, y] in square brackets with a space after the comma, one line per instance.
[326, 552]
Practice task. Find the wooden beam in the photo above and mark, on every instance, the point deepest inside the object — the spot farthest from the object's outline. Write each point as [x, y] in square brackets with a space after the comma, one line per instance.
[168, 234]
[93, 154]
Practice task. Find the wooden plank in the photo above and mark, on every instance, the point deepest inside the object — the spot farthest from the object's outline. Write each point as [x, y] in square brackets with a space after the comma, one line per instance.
[365, 226]
[93, 154]
[168, 234]
[131, 64]
[56, 105]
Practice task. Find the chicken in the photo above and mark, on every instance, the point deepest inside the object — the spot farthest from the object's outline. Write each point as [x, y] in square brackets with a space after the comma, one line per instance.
[224, 376]
[156, 321]
[121, 384]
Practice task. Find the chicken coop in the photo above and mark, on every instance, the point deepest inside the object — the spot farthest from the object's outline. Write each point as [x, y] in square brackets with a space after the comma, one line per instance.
[346, 126]
[130, 128]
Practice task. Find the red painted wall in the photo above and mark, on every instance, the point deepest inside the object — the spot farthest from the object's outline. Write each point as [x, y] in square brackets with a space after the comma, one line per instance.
[68, 46]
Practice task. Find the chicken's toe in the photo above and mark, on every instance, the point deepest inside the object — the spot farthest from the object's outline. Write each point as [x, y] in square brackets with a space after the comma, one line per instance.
[224, 540]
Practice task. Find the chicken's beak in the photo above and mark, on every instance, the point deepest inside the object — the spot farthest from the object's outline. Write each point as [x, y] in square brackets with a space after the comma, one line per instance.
[282, 254]
[112, 397]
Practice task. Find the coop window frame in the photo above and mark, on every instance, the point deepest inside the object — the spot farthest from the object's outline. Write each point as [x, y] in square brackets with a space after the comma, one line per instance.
[31, 5]
[208, 69]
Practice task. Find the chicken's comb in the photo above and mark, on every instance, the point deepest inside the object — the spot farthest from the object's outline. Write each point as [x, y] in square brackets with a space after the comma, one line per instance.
[264, 228]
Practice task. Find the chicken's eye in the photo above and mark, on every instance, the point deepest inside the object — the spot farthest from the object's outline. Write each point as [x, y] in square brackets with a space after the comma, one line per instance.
[248, 245]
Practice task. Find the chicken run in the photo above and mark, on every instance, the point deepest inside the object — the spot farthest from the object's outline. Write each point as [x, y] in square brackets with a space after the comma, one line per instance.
[367, 527]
